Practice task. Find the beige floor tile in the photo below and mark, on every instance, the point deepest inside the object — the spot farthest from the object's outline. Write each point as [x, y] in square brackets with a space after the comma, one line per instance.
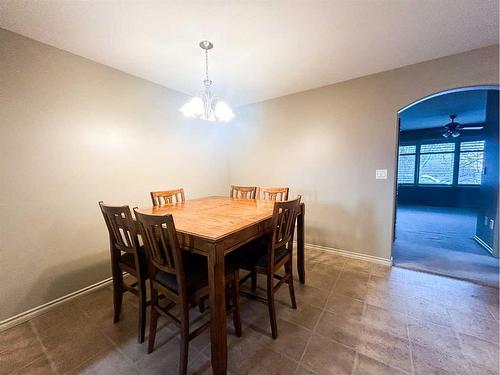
[324, 281]
[344, 329]
[165, 357]
[304, 294]
[352, 284]
[301, 370]
[340, 304]
[318, 256]
[129, 346]
[380, 270]
[391, 322]
[254, 347]
[18, 348]
[484, 327]
[369, 366]
[384, 347]
[356, 265]
[481, 354]
[70, 347]
[327, 265]
[493, 309]
[107, 362]
[252, 310]
[291, 341]
[324, 356]
[40, 366]
[428, 360]
[96, 303]
[63, 316]
[306, 315]
[266, 361]
[430, 335]
[388, 300]
[200, 365]
[431, 310]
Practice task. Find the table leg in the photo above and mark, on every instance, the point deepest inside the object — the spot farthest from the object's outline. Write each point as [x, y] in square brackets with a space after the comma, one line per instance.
[218, 335]
[300, 244]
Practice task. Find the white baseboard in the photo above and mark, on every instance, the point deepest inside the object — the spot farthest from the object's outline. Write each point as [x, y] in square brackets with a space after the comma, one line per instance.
[485, 245]
[350, 254]
[39, 310]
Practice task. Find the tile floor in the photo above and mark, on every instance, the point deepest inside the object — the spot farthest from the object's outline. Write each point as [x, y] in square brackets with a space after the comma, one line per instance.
[354, 317]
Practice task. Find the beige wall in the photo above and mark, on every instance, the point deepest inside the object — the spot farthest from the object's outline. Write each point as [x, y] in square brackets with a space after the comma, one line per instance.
[326, 144]
[73, 132]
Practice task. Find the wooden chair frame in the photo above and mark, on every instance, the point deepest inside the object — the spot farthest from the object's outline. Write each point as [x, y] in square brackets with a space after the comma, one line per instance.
[164, 254]
[283, 224]
[123, 238]
[278, 194]
[243, 192]
[160, 198]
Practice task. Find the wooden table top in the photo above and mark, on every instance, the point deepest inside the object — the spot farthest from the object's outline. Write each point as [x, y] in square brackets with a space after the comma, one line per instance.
[214, 218]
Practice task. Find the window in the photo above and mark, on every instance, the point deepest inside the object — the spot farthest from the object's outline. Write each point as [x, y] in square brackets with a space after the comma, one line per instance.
[406, 165]
[444, 163]
[471, 163]
[436, 164]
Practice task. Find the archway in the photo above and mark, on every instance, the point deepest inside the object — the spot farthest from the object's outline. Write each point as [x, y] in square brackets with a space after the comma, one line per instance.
[446, 201]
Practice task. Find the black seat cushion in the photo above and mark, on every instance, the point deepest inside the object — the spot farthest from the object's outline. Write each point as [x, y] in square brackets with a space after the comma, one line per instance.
[195, 271]
[254, 254]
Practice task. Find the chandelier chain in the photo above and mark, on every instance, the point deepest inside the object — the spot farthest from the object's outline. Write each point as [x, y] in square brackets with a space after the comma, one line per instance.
[206, 66]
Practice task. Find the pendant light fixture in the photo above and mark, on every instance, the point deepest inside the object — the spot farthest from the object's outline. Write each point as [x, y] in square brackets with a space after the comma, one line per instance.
[205, 105]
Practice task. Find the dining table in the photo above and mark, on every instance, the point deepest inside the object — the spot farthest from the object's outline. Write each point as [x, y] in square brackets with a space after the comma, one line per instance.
[213, 227]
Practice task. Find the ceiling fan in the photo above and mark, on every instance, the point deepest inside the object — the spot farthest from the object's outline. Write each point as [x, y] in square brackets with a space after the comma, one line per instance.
[452, 129]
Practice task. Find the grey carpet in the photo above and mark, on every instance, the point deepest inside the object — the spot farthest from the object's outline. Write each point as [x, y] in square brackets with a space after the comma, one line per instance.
[440, 240]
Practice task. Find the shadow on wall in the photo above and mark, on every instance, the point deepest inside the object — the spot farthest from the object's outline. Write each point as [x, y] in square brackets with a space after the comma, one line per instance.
[56, 282]
[340, 221]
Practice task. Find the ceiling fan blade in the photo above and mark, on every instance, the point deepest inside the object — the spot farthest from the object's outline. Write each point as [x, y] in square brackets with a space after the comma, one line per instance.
[472, 127]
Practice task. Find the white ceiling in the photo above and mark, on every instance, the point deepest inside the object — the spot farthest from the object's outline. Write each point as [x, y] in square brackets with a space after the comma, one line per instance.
[263, 49]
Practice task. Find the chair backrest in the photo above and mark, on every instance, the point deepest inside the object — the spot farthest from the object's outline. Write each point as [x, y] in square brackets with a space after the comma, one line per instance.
[168, 196]
[273, 193]
[284, 217]
[246, 192]
[162, 246]
[121, 228]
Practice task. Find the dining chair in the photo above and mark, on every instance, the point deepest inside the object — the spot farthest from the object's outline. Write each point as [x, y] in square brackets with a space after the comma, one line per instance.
[181, 277]
[127, 255]
[246, 192]
[267, 254]
[273, 193]
[168, 196]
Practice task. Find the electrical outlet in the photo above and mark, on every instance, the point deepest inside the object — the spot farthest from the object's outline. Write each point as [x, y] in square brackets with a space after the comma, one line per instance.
[486, 221]
[492, 224]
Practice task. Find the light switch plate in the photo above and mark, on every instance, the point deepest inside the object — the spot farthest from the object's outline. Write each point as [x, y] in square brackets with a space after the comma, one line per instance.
[492, 224]
[381, 174]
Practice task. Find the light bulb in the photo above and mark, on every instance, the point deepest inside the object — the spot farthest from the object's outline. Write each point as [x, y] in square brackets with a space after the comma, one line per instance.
[193, 108]
[223, 112]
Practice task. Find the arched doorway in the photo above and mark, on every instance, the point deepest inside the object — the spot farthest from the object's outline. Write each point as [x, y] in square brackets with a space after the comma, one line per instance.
[446, 218]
